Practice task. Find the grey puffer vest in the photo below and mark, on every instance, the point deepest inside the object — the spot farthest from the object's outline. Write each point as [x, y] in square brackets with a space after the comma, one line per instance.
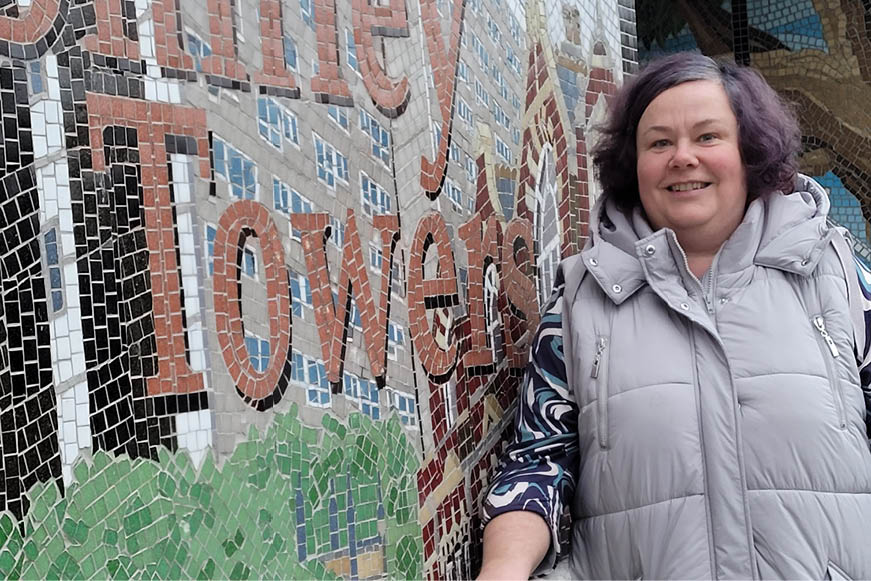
[721, 421]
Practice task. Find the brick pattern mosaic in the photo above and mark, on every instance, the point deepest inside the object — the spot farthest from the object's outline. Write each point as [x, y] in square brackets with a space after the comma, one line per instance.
[270, 270]
[816, 54]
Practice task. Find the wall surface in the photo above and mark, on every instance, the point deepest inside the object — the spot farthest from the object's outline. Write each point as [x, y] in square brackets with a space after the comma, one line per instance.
[816, 53]
[269, 271]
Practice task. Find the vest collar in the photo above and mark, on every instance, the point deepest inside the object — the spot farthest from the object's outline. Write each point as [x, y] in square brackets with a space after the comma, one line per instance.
[787, 232]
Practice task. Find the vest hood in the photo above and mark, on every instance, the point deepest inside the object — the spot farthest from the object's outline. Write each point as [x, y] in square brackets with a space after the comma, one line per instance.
[784, 231]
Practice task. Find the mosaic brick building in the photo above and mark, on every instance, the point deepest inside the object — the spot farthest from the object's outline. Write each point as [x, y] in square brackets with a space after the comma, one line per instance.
[816, 54]
[269, 270]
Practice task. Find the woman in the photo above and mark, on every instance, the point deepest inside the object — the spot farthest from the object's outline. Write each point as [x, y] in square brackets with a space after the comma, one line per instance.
[707, 420]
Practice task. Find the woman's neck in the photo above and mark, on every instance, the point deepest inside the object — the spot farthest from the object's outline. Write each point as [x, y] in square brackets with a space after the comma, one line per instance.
[699, 263]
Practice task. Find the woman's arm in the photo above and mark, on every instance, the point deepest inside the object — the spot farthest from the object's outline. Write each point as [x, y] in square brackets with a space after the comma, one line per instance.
[514, 544]
[537, 476]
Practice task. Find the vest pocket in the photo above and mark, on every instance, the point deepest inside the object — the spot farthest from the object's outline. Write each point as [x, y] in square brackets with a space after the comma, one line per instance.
[830, 352]
[599, 374]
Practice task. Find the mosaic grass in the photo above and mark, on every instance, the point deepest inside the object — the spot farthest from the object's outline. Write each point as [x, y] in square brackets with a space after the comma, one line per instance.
[123, 518]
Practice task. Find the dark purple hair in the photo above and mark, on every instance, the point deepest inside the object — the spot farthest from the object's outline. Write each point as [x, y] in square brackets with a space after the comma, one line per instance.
[768, 134]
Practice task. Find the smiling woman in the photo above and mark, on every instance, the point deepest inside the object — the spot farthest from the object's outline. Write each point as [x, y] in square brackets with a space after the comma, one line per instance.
[690, 175]
[693, 391]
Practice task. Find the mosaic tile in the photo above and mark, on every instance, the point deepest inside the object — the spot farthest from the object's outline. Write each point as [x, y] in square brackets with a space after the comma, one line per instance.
[202, 380]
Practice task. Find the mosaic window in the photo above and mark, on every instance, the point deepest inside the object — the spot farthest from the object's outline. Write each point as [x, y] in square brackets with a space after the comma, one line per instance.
[375, 199]
[362, 392]
[276, 124]
[318, 388]
[405, 407]
[481, 95]
[249, 262]
[483, 55]
[471, 169]
[379, 136]
[351, 50]
[258, 352]
[306, 10]
[505, 189]
[55, 277]
[290, 53]
[35, 74]
[455, 195]
[339, 115]
[311, 375]
[436, 132]
[198, 48]
[236, 168]
[300, 293]
[455, 153]
[493, 30]
[464, 112]
[513, 61]
[547, 234]
[502, 118]
[503, 150]
[376, 257]
[395, 339]
[514, 29]
[337, 232]
[397, 280]
[332, 166]
[211, 231]
[463, 70]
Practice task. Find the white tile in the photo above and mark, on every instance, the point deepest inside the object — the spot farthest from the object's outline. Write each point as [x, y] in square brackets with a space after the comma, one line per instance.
[63, 347]
[78, 363]
[64, 370]
[63, 173]
[81, 391]
[68, 408]
[83, 414]
[205, 419]
[71, 452]
[84, 433]
[60, 326]
[55, 138]
[69, 431]
[174, 93]
[51, 66]
[162, 92]
[181, 423]
[37, 118]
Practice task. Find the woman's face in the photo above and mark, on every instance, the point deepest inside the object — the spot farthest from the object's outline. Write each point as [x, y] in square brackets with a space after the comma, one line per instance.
[690, 174]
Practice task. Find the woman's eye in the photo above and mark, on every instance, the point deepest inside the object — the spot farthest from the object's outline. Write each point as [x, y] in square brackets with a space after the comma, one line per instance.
[708, 137]
[660, 143]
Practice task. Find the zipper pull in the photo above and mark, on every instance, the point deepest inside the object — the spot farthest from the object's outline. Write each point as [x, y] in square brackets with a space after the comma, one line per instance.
[820, 324]
[599, 350]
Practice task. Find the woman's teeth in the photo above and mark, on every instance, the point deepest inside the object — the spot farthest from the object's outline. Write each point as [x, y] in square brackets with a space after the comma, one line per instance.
[687, 187]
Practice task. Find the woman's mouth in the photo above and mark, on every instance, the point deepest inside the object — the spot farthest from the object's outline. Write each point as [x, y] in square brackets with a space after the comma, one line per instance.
[688, 186]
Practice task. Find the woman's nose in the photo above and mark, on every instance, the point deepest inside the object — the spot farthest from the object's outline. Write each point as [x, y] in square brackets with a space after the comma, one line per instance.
[683, 156]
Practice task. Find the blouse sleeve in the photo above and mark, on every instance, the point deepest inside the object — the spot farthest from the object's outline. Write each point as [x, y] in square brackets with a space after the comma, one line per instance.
[865, 366]
[538, 469]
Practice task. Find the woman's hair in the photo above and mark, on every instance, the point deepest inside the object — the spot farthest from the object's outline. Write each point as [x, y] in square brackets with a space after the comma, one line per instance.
[768, 134]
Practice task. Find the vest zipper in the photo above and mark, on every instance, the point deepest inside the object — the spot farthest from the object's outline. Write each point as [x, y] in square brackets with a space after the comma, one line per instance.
[830, 352]
[600, 374]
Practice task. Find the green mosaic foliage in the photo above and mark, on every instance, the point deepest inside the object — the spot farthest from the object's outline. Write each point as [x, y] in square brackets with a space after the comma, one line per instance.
[125, 518]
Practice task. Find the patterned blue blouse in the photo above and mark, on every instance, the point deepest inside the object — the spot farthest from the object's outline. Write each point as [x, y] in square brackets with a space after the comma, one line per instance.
[538, 470]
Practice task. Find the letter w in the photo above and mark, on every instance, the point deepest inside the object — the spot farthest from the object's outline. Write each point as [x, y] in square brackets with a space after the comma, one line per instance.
[332, 319]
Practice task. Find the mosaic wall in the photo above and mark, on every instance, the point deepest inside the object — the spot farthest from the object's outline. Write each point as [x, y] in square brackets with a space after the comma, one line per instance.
[816, 53]
[269, 273]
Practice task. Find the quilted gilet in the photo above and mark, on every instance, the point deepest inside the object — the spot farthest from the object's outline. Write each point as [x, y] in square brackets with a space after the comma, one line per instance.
[721, 422]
